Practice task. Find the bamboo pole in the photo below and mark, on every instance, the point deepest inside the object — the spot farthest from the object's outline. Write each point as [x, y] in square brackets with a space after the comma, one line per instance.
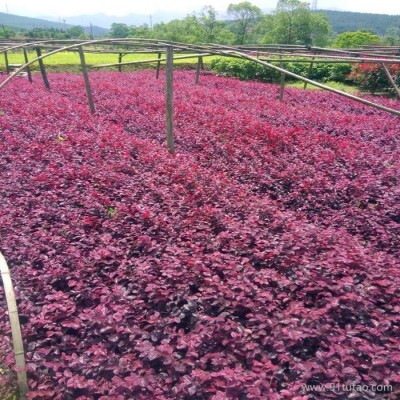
[6, 62]
[119, 62]
[327, 59]
[87, 81]
[393, 83]
[282, 88]
[28, 70]
[15, 328]
[310, 70]
[330, 61]
[42, 68]
[169, 94]
[199, 64]
[158, 66]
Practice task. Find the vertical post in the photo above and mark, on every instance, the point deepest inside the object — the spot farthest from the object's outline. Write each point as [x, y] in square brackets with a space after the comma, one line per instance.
[42, 68]
[391, 80]
[119, 62]
[310, 69]
[86, 79]
[158, 66]
[199, 62]
[282, 88]
[28, 69]
[15, 328]
[6, 62]
[169, 94]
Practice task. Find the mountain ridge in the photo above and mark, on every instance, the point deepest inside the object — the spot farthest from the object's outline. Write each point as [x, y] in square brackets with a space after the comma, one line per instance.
[21, 22]
[348, 21]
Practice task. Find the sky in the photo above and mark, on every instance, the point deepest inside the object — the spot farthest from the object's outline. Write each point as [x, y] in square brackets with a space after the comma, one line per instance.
[40, 8]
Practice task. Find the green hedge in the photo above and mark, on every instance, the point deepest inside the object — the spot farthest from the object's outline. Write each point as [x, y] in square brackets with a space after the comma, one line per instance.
[243, 69]
[249, 70]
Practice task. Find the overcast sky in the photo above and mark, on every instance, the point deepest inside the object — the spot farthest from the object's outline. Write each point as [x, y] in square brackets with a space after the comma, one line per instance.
[66, 8]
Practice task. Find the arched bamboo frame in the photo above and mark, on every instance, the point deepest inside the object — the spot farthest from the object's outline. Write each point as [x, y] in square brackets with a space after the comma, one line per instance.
[244, 52]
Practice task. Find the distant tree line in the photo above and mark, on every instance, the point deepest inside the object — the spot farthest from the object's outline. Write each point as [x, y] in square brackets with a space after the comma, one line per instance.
[292, 22]
[74, 32]
[354, 21]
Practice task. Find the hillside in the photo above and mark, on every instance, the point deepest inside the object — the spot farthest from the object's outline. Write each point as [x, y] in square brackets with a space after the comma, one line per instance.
[130, 19]
[345, 21]
[19, 22]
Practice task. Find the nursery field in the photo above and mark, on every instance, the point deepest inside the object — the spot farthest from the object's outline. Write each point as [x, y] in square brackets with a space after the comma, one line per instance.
[261, 261]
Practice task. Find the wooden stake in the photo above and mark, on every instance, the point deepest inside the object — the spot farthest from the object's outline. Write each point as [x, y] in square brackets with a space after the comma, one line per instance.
[282, 88]
[119, 62]
[42, 68]
[393, 83]
[169, 94]
[28, 70]
[86, 79]
[199, 63]
[158, 66]
[6, 62]
[310, 69]
[15, 328]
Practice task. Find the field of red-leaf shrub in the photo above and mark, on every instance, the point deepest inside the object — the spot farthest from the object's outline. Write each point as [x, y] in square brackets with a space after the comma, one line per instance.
[262, 257]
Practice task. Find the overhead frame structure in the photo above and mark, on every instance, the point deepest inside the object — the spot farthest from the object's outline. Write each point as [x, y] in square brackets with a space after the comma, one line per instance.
[267, 55]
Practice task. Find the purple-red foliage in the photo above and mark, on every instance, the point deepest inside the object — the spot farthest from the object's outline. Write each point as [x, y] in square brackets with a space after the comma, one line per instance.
[261, 257]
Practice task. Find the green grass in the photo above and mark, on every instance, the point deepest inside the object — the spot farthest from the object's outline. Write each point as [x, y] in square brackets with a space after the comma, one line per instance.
[71, 59]
[335, 85]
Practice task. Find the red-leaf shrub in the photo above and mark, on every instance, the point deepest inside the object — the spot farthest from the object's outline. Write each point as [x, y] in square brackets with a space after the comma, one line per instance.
[263, 256]
[372, 77]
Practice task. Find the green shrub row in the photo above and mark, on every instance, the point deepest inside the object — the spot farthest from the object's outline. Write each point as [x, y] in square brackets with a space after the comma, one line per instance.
[249, 70]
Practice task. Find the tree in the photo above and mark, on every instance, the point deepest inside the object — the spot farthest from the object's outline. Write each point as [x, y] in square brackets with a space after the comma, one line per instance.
[75, 31]
[292, 23]
[178, 30]
[392, 36]
[208, 23]
[142, 31]
[6, 32]
[245, 15]
[210, 30]
[356, 39]
[320, 29]
[119, 30]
